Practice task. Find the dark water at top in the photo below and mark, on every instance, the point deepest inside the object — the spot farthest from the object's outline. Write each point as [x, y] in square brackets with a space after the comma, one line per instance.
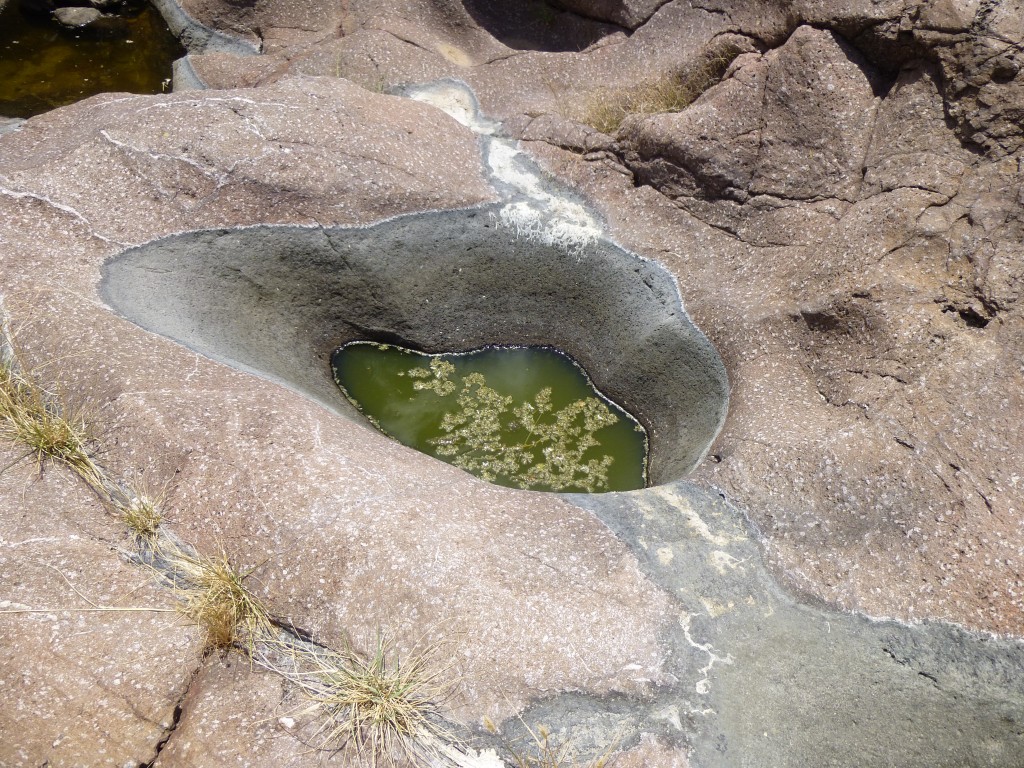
[523, 417]
[44, 66]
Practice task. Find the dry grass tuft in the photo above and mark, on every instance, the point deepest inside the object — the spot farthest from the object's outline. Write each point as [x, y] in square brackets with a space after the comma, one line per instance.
[35, 417]
[142, 516]
[140, 509]
[380, 708]
[606, 109]
[383, 709]
[214, 595]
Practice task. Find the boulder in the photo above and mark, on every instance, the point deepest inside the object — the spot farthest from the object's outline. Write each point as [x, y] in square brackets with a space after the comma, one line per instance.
[711, 148]
[792, 124]
[627, 13]
[312, 152]
[984, 76]
[74, 18]
[858, 266]
[912, 145]
[878, 471]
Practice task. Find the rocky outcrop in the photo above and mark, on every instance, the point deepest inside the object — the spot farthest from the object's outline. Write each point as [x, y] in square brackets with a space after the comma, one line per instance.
[308, 152]
[76, 17]
[883, 295]
[841, 208]
[627, 13]
[794, 124]
[982, 71]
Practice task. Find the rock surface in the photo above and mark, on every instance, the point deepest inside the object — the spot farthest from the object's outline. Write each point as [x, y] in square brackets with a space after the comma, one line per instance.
[378, 535]
[842, 211]
[628, 13]
[81, 686]
[77, 17]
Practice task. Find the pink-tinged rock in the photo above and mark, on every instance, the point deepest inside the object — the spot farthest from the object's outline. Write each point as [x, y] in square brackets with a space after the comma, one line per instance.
[351, 532]
[93, 666]
[818, 106]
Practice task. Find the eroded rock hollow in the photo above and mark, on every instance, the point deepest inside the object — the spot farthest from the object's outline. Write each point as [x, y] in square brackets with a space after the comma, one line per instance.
[280, 300]
[832, 191]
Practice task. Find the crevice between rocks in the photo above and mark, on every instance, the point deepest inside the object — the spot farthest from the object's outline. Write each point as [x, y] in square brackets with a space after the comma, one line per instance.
[177, 714]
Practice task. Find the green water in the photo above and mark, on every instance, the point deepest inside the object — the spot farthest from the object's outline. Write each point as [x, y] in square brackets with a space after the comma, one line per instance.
[523, 417]
[44, 66]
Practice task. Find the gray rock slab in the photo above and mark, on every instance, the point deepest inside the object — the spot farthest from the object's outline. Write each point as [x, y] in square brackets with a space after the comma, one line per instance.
[762, 680]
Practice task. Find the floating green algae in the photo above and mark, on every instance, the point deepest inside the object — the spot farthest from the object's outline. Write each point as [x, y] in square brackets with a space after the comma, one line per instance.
[44, 65]
[523, 417]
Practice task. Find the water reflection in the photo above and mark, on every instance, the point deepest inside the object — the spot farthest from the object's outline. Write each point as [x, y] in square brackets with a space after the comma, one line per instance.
[44, 64]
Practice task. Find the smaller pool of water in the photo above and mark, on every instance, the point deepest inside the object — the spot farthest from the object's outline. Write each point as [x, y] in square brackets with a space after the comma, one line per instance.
[523, 417]
[44, 65]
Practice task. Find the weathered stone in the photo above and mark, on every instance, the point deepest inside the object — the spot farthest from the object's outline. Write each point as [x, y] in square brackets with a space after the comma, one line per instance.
[912, 146]
[9, 124]
[872, 329]
[163, 165]
[949, 15]
[650, 752]
[77, 17]
[562, 133]
[709, 149]
[92, 670]
[629, 13]
[230, 705]
[253, 22]
[534, 25]
[446, 531]
[984, 89]
[222, 70]
[790, 125]
[818, 104]
[897, 272]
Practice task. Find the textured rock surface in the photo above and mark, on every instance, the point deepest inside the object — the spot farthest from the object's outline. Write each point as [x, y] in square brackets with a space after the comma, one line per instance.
[982, 71]
[793, 124]
[81, 686]
[843, 215]
[76, 17]
[356, 532]
[628, 13]
[881, 297]
[447, 281]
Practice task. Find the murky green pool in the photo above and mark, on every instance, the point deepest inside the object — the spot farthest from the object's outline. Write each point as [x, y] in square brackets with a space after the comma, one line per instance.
[44, 66]
[523, 417]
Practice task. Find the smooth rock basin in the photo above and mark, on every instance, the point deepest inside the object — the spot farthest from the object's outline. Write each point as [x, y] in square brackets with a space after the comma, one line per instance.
[279, 300]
